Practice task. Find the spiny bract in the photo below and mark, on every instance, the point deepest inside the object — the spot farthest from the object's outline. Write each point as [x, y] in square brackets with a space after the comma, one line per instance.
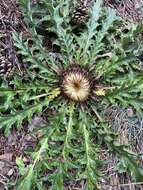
[92, 70]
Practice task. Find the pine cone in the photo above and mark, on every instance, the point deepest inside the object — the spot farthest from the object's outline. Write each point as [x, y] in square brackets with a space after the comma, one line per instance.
[81, 11]
[6, 67]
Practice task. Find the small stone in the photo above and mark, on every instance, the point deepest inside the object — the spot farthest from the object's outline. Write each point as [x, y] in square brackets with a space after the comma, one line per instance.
[130, 112]
[11, 171]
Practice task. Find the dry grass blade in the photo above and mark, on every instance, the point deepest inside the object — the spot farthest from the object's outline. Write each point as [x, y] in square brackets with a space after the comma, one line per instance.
[127, 186]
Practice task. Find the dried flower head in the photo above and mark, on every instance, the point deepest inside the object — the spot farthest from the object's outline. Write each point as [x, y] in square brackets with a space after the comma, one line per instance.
[6, 67]
[81, 11]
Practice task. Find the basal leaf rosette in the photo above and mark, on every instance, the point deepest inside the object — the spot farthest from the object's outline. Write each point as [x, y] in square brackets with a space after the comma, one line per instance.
[90, 71]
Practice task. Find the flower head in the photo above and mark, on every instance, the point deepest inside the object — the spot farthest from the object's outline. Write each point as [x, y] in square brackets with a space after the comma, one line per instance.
[76, 83]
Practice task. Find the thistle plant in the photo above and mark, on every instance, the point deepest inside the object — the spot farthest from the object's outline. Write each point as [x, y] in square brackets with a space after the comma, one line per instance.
[94, 68]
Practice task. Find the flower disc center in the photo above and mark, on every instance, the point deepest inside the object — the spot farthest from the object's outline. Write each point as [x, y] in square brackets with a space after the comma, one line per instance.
[76, 84]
